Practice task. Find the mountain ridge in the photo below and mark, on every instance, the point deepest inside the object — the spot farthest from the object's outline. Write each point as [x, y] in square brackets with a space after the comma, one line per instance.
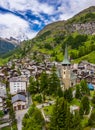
[67, 24]
[78, 32]
[7, 45]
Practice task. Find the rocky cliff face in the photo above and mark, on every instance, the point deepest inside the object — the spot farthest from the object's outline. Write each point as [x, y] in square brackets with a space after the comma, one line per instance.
[82, 28]
[83, 23]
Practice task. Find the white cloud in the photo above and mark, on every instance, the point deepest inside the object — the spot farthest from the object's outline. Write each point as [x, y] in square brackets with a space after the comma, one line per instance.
[69, 8]
[11, 25]
[22, 5]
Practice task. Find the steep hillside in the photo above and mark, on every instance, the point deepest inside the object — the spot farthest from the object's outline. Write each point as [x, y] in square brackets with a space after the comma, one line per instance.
[78, 32]
[6, 46]
[52, 29]
[83, 23]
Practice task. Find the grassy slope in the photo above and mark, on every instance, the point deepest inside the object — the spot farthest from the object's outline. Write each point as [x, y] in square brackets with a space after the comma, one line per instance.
[58, 29]
[52, 38]
[90, 57]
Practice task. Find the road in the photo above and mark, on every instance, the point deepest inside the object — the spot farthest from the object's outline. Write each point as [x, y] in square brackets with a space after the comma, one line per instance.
[42, 111]
[45, 104]
[91, 108]
[45, 118]
[19, 116]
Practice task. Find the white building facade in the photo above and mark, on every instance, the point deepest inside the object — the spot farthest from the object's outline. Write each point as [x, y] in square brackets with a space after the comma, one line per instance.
[17, 84]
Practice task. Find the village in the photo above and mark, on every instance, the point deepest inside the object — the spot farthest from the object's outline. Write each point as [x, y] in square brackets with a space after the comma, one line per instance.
[14, 80]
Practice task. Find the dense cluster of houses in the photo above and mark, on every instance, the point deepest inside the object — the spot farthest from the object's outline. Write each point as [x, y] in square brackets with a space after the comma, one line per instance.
[15, 76]
[85, 70]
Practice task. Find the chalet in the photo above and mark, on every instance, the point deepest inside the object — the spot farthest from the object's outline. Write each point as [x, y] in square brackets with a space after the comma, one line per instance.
[19, 102]
[25, 72]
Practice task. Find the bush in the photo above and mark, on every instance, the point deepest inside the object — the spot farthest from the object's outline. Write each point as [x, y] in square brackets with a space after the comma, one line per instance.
[38, 98]
[1, 113]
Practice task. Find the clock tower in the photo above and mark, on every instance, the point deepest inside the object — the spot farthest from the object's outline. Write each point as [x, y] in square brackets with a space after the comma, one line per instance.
[66, 70]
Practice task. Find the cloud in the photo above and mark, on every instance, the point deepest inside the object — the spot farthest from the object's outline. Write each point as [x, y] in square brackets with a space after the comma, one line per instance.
[11, 25]
[69, 8]
[21, 5]
[24, 18]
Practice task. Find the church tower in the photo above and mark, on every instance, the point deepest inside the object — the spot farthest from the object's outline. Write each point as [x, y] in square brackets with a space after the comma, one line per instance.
[66, 71]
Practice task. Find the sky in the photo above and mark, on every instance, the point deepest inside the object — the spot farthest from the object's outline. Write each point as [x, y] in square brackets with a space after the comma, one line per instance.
[23, 19]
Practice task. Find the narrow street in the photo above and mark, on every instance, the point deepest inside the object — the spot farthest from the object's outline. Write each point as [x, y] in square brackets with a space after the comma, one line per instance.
[19, 116]
[45, 104]
[20, 113]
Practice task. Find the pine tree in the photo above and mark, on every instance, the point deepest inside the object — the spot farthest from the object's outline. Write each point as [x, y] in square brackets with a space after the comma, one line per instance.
[54, 82]
[62, 118]
[76, 122]
[34, 119]
[32, 86]
[81, 111]
[54, 117]
[85, 105]
[60, 92]
[68, 95]
[69, 120]
[43, 82]
[84, 88]
[78, 92]
[57, 121]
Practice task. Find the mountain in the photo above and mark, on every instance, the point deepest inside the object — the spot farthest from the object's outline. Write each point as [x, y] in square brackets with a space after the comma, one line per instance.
[13, 41]
[78, 32]
[7, 45]
[83, 23]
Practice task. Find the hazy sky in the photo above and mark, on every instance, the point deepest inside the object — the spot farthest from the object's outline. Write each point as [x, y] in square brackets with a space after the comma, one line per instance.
[24, 18]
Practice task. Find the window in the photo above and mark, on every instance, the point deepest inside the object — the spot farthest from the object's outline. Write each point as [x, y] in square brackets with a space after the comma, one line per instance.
[15, 108]
[23, 106]
[14, 83]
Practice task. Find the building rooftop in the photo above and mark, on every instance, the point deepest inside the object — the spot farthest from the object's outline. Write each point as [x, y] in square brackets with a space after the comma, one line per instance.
[18, 97]
[18, 79]
[90, 86]
[66, 60]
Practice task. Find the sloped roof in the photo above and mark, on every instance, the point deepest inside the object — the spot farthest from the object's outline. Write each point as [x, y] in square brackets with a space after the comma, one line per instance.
[90, 86]
[66, 60]
[18, 97]
[18, 79]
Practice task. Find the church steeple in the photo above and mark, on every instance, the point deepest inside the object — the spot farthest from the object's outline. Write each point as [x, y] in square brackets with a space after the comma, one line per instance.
[66, 60]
